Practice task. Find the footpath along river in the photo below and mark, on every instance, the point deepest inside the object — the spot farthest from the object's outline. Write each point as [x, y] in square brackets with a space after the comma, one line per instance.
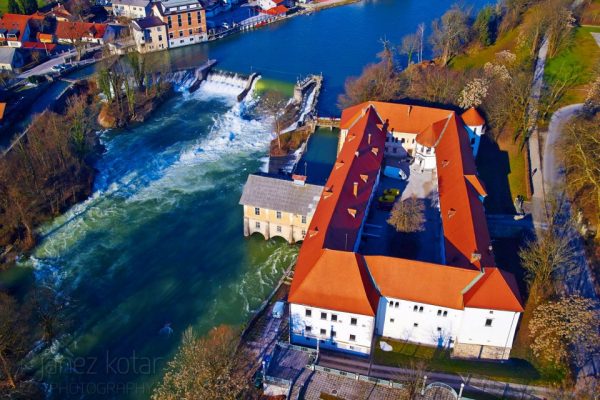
[159, 245]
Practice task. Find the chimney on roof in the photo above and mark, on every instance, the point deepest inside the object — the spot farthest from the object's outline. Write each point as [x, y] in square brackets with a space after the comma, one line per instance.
[369, 138]
[364, 177]
[451, 213]
[475, 257]
[357, 153]
[355, 189]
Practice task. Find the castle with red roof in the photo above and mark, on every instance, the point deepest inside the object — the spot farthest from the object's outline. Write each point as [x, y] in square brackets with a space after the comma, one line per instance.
[341, 299]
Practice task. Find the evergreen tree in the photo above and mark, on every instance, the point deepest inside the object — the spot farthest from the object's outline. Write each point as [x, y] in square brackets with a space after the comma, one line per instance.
[485, 26]
[13, 7]
[29, 6]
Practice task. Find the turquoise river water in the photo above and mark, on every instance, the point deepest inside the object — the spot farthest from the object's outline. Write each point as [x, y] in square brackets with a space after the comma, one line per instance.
[159, 245]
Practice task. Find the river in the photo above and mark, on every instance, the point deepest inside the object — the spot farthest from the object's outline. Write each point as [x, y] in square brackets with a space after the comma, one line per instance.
[159, 245]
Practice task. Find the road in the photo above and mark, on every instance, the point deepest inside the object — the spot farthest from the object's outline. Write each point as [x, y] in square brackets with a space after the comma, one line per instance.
[46, 67]
[473, 385]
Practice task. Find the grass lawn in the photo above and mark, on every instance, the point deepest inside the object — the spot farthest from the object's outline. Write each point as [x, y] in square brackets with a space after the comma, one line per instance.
[513, 370]
[4, 5]
[581, 59]
[478, 58]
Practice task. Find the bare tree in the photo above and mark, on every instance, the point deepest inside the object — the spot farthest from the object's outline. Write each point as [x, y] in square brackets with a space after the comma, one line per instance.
[410, 45]
[450, 34]
[49, 309]
[273, 103]
[13, 343]
[408, 215]
[204, 368]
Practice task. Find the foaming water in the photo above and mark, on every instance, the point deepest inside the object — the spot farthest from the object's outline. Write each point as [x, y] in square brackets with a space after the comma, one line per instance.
[160, 242]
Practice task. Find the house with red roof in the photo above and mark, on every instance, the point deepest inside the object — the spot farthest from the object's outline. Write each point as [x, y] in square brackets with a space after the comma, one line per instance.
[340, 299]
[15, 29]
[72, 32]
[273, 7]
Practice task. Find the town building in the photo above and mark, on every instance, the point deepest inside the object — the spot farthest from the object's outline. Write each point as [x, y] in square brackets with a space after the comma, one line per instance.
[15, 29]
[185, 20]
[83, 32]
[132, 8]
[341, 299]
[277, 206]
[273, 7]
[10, 59]
[149, 34]
[411, 133]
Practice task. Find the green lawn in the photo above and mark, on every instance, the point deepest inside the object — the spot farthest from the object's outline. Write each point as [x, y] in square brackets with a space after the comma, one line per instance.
[513, 370]
[478, 58]
[4, 5]
[581, 59]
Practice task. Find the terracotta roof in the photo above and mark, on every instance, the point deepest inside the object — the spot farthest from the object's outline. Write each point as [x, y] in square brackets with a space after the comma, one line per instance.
[39, 46]
[79, 30]
[277, 10]
[338, 280]
[333, 226]
[496, 290]
[476, 184]
[421, 282]
[2, 109]
[400, 117]
[430, 136]
[466, 237]
[16, 21]
[472, 117]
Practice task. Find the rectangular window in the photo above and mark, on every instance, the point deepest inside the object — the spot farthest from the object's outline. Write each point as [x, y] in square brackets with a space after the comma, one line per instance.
[256, 211]
[421, 309]
[159, 38]
[181, 35]
[179, 19]
[353, 338]
[392, 320]
[189, 18]
[439, 328]
[308, 312]
[279, 229]
[303, 233]
[304, 219]
[323, 315]
[170, 35]
[353, 321]
[199, 15]
[439, 312]
[488, 322]
[334, 317]
[190, 32]
[278, 214]
[169, 22]
[415, 325]
[416, 308]
[445, 313]
[257, 225]
[323, 332]
[308, 329]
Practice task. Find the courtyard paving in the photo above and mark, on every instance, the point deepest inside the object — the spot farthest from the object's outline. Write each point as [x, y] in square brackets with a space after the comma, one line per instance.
[379, 238]
[344, 388]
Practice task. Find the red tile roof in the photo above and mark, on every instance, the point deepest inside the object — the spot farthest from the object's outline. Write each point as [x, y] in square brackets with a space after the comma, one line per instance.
[79, 30]
[339, 280]
[497, 290]
[419, 281]
[17, 21]
[472, 117]
[277, 10]
[339, 214]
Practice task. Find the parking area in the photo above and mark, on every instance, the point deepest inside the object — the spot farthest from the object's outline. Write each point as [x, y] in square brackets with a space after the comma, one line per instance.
[379, 238]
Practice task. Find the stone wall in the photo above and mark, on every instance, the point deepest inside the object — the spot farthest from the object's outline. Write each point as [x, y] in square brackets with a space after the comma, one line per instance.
[476, 351]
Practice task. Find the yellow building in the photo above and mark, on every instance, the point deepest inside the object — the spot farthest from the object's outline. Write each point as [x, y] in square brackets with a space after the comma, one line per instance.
[275, 206]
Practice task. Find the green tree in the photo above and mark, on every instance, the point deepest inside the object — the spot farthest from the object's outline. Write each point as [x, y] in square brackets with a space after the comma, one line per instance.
[14, 7]
[485, 26]
[29, 6]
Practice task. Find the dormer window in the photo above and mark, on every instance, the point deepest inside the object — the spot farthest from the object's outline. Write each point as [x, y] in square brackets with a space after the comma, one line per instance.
[451, 213]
